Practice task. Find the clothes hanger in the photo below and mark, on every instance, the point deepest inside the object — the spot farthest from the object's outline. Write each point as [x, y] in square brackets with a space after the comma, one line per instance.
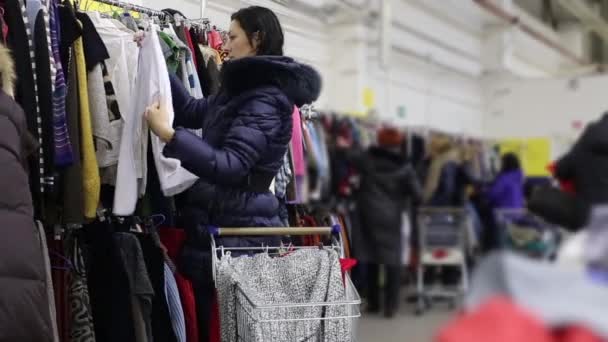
[68, 266]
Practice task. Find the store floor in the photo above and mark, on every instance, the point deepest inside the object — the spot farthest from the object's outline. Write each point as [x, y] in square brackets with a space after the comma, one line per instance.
[406, 327]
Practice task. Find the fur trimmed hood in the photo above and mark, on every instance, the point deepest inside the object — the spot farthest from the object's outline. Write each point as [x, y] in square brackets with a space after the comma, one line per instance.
[300, 82]
[7, 71]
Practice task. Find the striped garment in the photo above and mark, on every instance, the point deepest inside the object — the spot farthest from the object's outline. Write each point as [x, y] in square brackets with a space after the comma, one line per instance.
[38, 133]
[63, 148]
[175, 305]
[113, 108]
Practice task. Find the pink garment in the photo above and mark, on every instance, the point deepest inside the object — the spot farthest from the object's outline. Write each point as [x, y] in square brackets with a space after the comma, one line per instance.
[297, 145]
[215, 39]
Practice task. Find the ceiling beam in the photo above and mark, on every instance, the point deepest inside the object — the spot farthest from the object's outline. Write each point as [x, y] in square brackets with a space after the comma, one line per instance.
[587, 16]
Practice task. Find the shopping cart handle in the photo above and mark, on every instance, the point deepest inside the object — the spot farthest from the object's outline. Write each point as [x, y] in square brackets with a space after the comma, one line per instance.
[267, 231]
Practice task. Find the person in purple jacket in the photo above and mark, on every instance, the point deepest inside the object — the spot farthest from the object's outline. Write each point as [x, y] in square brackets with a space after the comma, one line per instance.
[507, 190]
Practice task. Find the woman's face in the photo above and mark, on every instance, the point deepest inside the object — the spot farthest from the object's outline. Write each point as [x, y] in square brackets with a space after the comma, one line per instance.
[238, 44]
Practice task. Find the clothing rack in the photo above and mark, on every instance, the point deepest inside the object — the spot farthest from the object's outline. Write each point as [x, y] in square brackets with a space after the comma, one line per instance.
[308, 112]
[133, 7]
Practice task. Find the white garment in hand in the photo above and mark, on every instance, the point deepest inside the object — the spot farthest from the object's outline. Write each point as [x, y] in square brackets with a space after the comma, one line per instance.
[152, 85]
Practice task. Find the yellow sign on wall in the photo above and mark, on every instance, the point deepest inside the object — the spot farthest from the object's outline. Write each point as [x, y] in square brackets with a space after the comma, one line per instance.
[534, 154]
[369, 98]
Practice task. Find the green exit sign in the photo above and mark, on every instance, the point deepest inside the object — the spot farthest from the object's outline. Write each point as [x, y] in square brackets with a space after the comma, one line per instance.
[401, 112]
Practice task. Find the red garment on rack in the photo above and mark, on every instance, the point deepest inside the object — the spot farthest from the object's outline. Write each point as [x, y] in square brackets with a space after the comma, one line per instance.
[346, 265]
[173, 240]
[215, 334]
[215, 39]
[310, 240]
[191, 46]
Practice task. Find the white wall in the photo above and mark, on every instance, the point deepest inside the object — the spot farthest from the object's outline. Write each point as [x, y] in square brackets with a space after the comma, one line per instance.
[305, 37]
[438, 74]
[543, 108]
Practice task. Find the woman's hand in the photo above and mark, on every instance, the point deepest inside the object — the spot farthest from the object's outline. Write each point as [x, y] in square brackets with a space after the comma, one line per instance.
[158, 120]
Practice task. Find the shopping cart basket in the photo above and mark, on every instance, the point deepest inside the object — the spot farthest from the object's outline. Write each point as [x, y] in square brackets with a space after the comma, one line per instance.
[525, 233]
[262, 322]
[442, 243]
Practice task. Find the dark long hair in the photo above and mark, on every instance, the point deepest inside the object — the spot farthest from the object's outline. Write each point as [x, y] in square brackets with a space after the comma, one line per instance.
[510, 162]
[263, 22]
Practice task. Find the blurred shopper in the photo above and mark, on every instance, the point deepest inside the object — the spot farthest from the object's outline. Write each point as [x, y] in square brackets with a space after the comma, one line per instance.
[505, 192]
[446, 184]
[585, 168]
[387, 183]
[446, 179]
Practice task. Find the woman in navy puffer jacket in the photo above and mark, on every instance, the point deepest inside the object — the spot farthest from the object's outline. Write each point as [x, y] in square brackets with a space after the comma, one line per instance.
[246, 131]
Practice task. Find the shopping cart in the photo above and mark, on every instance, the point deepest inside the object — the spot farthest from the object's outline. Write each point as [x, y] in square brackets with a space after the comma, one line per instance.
[262, 322]
[442, 244]
[527, 234]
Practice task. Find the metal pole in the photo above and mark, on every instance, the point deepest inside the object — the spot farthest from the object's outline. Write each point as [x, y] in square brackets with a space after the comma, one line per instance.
[203, 8]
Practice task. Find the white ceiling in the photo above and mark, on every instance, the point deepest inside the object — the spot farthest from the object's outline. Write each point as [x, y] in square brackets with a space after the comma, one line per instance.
[463, 13]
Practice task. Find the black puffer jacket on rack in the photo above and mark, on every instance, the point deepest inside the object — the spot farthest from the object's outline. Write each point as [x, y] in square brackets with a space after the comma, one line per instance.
[24, 302]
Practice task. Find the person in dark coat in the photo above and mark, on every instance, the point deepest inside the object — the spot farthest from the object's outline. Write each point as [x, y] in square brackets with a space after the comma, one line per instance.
[24, 301]
[388, 181]
[246, 129]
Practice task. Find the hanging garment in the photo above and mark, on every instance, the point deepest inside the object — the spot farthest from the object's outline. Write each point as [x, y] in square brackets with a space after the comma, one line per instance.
[185, 67]
[173, 239]
[108, 285]
[25, 313]
[306, 276]
[105, 143]
[63, 147]
[296, 143]
[60, 272]
[175, 306]
[45, 76]
[209, 75]
[121, 66]
[128, 21]
[90, 172]
[215, 39]
[82, 328]
[171, 51]
[48, 281]
[188, 40]
[72, 176]
[283, 178]
[140, 286]
[106, 123]
[162, 327]
[20, 40]
[152, 85]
